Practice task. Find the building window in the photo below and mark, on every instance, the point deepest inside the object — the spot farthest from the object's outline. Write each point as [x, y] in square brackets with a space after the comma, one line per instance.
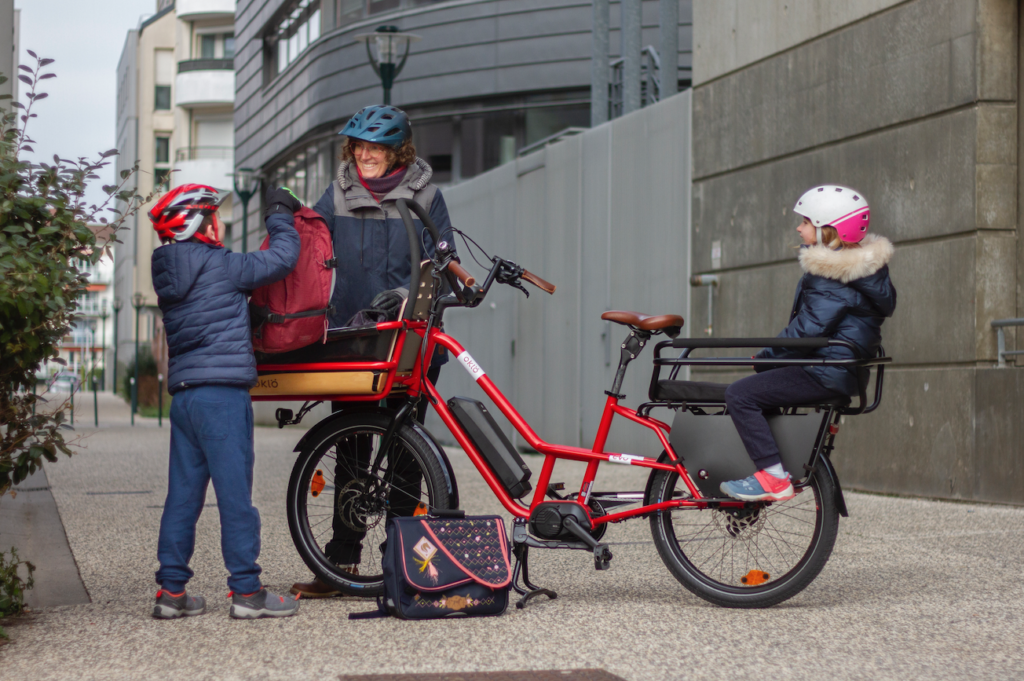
[294, 29]
[164, 76]
[163, 150]
[162, 163]
[215, 45]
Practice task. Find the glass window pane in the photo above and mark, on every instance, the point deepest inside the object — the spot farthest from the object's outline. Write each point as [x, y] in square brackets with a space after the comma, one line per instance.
[349, 11]
[282, 55]
[164, 65]
[163, 150]
[314, 26]
[303, 38]
[207, 46]
[160, 178]
[293, 48]
[378, 6]
[229, 46]
[162, 99]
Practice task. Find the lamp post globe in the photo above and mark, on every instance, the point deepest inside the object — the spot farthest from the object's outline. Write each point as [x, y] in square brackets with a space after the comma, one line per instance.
[388, 55]
[247, 183]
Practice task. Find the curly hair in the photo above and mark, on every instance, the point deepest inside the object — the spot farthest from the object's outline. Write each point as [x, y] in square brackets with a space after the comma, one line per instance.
[402, 156]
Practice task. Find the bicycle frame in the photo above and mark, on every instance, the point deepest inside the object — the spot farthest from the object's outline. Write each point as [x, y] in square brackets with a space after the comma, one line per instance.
[552, 452]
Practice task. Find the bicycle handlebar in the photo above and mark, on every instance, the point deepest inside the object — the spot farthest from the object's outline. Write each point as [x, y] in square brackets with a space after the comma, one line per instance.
[545, 286]
[459, 271]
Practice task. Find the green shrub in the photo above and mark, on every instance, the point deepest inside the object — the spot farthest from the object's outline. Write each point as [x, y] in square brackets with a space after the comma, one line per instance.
[44, 239]
[12, 586]
[147, 367]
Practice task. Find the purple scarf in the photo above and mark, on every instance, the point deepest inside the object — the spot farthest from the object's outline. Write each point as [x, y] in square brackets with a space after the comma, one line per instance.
[382, 186]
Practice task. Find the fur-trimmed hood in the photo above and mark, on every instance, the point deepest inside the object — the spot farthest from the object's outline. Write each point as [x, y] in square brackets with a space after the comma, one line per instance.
[416, 178]
[848, 264]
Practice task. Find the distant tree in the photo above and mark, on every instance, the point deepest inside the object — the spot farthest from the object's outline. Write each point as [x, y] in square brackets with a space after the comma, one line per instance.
[44, 240]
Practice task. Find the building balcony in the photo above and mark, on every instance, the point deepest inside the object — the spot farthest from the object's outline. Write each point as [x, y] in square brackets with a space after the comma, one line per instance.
[191, 10]
[204, 165]
[205, 82]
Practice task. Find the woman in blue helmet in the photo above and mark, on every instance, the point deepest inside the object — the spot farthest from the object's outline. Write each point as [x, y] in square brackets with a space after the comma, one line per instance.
[378, 166]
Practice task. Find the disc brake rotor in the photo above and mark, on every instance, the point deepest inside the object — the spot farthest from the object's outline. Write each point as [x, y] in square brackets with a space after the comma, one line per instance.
[741, 523]
[355, 509]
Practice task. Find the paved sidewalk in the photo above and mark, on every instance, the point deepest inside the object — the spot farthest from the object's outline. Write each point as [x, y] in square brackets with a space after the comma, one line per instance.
[915, 589]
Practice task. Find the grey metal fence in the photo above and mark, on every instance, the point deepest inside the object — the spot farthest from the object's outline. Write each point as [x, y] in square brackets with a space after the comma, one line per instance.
[604, 215]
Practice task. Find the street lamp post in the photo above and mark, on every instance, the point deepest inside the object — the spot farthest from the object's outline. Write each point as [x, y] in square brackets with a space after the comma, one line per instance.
[103, 346]
[138, 302]
[117, 309]
[246, 186]
[388, 42]
[92, 376]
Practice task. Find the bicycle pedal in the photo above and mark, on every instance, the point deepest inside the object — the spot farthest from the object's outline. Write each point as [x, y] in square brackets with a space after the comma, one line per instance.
[602, 557]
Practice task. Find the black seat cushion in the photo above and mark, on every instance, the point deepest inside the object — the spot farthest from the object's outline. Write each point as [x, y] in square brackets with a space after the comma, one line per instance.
[690, 391]
[701, 391]
[349, 344]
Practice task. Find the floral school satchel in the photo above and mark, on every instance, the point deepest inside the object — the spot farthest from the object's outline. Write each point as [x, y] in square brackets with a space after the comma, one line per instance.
[444, 567]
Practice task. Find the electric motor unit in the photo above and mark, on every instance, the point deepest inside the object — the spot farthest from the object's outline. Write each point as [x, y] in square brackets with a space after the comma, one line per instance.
[502, 458]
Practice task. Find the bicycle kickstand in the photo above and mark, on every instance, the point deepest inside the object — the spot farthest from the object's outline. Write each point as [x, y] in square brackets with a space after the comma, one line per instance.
[522, 555]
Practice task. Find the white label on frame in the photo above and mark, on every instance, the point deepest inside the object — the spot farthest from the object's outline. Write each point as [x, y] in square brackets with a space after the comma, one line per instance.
[474, 369]
[627, 459]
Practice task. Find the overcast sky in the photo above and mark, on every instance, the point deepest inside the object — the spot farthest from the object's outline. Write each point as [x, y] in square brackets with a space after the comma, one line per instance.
[86, 38]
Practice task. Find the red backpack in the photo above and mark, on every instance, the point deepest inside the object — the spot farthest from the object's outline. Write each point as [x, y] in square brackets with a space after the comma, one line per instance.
[292, 313]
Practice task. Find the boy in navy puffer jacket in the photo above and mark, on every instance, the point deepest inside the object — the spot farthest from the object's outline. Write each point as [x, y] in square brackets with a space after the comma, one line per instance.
[202, 290]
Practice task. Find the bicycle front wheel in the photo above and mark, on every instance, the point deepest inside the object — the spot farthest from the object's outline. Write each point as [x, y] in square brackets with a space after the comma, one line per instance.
[338, 507]
[751, 557]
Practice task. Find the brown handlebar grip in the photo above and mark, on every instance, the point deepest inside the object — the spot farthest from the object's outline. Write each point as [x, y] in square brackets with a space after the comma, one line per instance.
[545, 286]
[460, 272]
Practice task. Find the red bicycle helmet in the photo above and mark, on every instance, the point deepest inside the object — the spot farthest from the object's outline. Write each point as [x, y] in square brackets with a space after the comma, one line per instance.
[179, 214]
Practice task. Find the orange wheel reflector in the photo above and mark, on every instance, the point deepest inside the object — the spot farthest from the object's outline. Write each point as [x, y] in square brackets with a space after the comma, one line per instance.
[421, 509]
[755, 578]
[316, 485]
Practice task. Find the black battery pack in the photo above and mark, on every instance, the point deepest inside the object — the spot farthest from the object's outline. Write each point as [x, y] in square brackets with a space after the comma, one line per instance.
[499, 453]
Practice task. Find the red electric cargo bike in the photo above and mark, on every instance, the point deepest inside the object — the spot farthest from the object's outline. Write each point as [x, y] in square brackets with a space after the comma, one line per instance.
[367, 462]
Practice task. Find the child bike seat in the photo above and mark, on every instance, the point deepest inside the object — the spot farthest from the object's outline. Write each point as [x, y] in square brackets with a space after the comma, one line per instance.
[701, 392]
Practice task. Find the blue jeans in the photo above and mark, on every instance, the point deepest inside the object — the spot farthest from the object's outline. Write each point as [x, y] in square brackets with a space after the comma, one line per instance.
[749, 397]
[211, 439]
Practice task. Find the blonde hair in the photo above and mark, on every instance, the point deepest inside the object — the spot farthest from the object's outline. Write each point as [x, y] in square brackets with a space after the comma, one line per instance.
[830, 237]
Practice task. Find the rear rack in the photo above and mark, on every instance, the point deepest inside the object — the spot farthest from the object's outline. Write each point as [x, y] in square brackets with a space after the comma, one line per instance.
[691, 344]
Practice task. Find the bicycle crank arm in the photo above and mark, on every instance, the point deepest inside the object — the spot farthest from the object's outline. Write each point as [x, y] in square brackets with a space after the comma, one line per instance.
[602, 554]
[522, 538]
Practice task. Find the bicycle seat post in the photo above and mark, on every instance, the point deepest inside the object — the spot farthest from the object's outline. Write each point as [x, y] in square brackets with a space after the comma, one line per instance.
[629, 350]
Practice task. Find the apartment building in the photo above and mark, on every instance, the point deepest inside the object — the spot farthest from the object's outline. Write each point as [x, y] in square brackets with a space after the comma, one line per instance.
[175, 103]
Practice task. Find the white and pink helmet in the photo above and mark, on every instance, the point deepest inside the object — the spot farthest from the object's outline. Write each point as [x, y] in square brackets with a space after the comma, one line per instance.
[843, 208]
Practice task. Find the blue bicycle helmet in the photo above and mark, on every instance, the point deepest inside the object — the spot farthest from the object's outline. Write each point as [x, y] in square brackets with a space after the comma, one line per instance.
[380, 125]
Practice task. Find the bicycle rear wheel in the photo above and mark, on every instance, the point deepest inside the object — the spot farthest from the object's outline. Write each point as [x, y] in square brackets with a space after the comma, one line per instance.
[338, 511]
[746, 558]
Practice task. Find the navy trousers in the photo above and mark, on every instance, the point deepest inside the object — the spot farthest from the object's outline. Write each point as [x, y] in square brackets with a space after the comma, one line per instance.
[749, 397]
[211, 439]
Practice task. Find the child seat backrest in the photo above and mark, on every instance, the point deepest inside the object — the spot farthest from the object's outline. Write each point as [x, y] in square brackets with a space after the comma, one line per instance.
[420, 297]
[292, 313]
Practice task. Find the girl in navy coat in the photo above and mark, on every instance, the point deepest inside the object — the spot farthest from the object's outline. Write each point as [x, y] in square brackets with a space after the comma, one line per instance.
[845, 293]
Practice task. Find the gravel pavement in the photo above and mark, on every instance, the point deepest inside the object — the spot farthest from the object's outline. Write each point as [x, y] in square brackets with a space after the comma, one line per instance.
[915, 589]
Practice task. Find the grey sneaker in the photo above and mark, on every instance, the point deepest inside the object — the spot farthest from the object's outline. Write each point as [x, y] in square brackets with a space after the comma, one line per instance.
[170, 607]
[263, 603]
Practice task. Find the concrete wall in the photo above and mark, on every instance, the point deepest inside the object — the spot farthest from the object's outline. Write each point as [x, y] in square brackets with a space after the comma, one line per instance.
[915, 104]
[605, 217]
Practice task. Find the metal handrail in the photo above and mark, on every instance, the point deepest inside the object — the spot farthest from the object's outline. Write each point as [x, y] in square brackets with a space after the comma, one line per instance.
[650, 79]
[550, 139]
[219, 153]
[999, 325]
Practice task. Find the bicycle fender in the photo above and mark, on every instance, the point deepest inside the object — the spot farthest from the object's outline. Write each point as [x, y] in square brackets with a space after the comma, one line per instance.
[313, 437]
[449, 472]
[830, 471]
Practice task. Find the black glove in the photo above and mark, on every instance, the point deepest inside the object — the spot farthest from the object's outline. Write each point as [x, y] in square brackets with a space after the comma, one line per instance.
[389, 302]
[281, 200]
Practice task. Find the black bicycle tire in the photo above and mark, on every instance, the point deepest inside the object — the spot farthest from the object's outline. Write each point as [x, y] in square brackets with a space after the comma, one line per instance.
[302, 472]
[789, 585]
